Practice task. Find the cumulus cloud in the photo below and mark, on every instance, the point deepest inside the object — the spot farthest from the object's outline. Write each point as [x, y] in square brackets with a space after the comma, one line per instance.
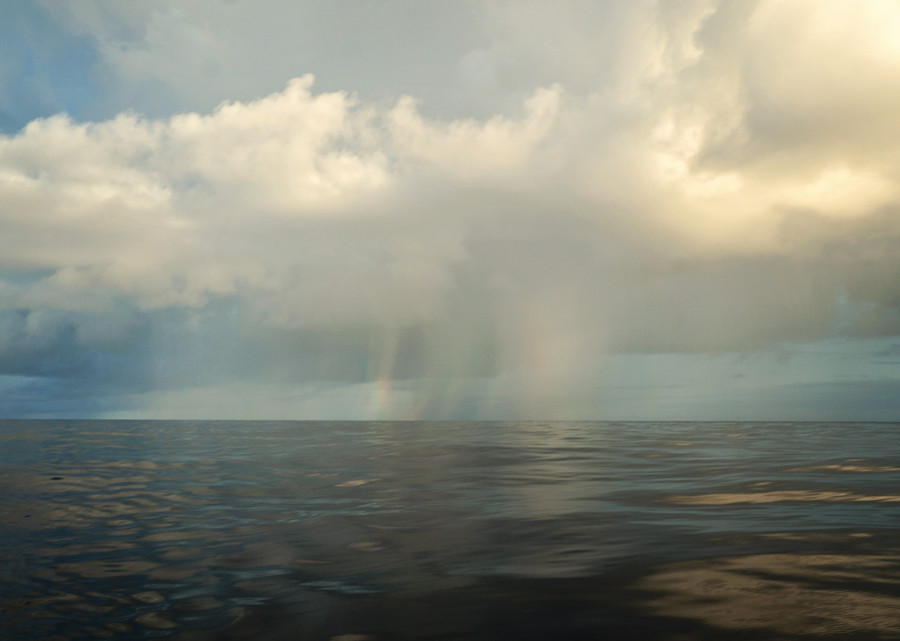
[306, 197]
[707, 178]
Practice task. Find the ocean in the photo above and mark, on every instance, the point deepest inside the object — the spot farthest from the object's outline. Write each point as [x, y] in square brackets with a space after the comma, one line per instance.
[372, 531]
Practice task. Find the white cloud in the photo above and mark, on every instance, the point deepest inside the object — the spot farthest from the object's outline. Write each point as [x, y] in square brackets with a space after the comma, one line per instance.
[273, 197]
[476, 151]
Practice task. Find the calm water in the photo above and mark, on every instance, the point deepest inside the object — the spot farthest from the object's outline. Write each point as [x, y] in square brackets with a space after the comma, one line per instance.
[364, 531]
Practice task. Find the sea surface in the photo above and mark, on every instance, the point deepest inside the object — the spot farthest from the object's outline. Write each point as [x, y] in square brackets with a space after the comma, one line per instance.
[366, 531]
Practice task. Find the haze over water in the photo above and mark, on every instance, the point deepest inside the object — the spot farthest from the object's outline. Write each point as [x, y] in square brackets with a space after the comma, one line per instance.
[200, 530]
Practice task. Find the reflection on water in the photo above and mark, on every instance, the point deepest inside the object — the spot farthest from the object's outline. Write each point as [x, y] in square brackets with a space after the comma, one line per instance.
[788, 594]
[269, 530]
[783, 495]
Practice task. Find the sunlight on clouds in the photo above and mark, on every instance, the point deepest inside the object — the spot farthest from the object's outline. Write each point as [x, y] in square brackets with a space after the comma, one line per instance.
[674, 44]
[787, 106]
[470, 149]
[147, 195]
[819, 79]
[289, 151]
[657, 177]
[86, 166]
[840, 191]
[872, 28]
[677, 148]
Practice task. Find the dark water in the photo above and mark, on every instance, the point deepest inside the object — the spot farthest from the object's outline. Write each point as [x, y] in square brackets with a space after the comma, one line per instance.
[196, 531]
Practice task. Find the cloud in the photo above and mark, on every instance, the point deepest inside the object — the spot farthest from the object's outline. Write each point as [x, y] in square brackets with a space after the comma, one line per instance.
[708, 178]
[292, 196]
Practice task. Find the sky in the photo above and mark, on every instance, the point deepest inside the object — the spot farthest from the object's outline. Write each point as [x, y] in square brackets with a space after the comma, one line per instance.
[416, 210]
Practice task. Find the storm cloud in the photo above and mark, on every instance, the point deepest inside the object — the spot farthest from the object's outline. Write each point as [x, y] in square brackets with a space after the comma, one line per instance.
[555, 211]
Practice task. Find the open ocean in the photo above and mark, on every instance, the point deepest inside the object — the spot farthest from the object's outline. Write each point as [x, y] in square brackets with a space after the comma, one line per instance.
[367, 531]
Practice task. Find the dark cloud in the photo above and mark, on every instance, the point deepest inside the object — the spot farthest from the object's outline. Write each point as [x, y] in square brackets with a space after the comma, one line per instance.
[62, 344]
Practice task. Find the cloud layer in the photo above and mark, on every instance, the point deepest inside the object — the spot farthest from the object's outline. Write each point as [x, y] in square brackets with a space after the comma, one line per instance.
[705, 178]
